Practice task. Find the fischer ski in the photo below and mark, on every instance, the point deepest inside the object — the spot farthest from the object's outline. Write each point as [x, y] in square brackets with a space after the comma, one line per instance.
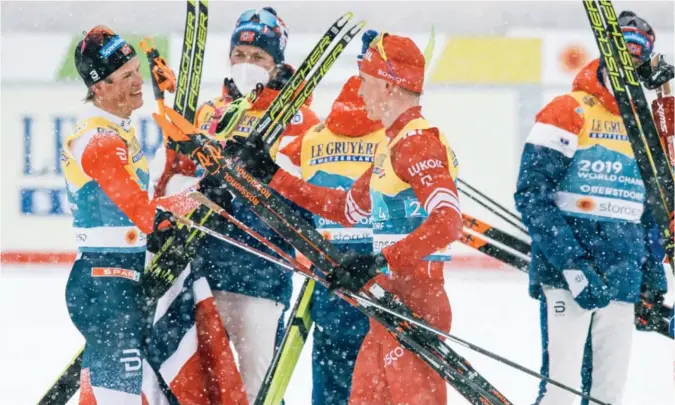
[164, 79]
[192, 59]
[377, 299]
[279, 372]
[653, 165]
[160, 274]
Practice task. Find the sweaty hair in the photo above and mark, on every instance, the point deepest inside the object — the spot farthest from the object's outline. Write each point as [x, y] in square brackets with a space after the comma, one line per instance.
[89, 98]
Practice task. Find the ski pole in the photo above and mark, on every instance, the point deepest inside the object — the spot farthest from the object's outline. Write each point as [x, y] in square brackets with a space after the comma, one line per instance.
[376, 290]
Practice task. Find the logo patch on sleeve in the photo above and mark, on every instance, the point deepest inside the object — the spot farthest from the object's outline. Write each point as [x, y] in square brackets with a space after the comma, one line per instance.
[115, 272]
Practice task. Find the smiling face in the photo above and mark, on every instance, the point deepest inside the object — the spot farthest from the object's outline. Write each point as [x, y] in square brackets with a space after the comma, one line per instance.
[122, 91]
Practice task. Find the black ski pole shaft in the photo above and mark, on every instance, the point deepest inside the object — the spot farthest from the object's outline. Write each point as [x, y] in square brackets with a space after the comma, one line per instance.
[492, 250]
[474, 224]
[350, 297]
[489, 201]
[377, 291]
[515, 223]
[489, 354]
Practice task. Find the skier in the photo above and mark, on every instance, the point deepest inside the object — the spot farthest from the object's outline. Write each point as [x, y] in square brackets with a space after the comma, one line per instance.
[106, 176]
[583, 200]
[415, 212]
[334, 154]
[251, 294]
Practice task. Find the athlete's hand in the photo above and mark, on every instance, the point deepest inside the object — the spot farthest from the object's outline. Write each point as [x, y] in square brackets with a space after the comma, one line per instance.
[587, 286]
[164, 228]
[253, 156]
[355, 271]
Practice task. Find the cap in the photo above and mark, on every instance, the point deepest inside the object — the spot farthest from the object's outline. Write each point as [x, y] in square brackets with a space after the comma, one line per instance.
[100, 53]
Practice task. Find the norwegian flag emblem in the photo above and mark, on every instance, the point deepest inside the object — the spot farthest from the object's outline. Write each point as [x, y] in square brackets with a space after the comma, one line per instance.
[126, 50]
[247, 36]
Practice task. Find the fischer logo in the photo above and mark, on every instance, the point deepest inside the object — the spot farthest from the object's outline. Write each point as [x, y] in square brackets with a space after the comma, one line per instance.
[393, 355]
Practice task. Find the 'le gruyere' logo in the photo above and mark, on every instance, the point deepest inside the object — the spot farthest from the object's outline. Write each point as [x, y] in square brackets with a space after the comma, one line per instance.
[342, 151]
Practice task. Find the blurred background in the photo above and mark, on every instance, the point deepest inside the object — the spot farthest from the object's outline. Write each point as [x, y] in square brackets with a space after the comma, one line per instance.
[495, 64]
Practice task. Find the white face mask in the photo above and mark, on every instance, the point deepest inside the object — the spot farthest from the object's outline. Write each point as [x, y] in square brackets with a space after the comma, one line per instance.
[247, 75]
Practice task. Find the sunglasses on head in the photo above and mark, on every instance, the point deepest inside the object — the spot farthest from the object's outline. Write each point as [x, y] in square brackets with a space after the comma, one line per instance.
[378, 41]
[262, 16]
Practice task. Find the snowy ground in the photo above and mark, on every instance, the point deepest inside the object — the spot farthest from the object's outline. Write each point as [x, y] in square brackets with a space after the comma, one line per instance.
[490, 309]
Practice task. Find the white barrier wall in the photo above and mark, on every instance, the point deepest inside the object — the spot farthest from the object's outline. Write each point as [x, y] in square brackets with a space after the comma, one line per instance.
[481, 126]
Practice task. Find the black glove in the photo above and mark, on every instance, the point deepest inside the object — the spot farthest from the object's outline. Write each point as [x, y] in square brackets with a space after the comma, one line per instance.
[648, 310]
[216, 191]
[655, 76]
[284, 72]
[253, 156]
[355, 271]
[163, 228]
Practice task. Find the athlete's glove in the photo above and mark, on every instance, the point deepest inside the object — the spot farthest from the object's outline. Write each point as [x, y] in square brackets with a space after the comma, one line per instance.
[163, 228]
[216, 191]
[587, 286]
[253, 156]
[355, 271]
[648, 310]
[654, 76]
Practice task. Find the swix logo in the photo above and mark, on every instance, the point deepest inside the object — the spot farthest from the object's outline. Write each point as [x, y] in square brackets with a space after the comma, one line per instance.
[393, 355]
[133, 360]
[368, 56]
[661, 112]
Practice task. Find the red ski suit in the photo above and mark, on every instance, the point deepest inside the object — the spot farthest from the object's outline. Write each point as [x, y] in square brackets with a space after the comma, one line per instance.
[384, 372]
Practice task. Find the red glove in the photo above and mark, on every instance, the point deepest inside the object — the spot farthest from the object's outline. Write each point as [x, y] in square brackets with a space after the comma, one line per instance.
[663, 109]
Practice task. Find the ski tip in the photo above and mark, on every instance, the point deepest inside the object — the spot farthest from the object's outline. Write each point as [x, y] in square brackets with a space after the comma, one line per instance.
[342, 21]
[357, 27]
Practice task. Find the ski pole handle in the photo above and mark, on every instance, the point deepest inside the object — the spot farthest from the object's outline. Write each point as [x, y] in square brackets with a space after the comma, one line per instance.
[163, 78]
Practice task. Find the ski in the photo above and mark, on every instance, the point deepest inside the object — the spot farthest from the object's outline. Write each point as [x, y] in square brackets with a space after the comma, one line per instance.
[476, 225]
[163, 79]
[522, 264]
[158, 276]
[490, 204]
[187, 51]
[658, 185]
[484, 246]
[283, 364]
[445, 361]
[197, 62]
[661, 163]
[274, 113]
[378, 299]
